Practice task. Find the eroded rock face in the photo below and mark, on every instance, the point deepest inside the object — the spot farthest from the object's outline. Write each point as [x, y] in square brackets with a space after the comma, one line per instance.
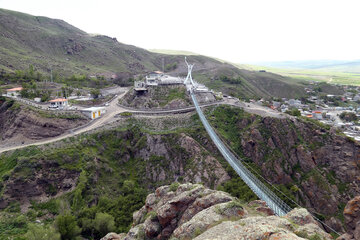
[191, 211]
[324, 166]
[352, 220]
[24, 124]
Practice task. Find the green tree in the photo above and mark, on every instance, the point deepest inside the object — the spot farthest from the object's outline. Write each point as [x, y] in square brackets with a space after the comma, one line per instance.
[294, 112]
[95, 93]
[104, 223]
[31, 71]
[67, 226]
[39, 232]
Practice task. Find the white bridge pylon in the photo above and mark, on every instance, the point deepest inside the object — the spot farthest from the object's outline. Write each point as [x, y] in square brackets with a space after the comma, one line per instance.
[188, 79]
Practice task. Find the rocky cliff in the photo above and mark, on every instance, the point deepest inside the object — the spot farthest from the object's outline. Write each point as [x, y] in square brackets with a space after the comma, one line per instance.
[111, 157]
[19, 122]
[319, 166]
[191, 211]
[352, 220]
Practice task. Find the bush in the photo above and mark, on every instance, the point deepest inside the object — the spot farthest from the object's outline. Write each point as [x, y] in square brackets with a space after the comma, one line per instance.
[174, 186]
[348, 116]
[67, 226]
[294, 112]
[104, 223]
[38, 232]
[170, 66]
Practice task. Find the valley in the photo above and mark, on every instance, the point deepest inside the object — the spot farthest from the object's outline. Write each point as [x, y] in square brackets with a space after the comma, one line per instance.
[97, 143]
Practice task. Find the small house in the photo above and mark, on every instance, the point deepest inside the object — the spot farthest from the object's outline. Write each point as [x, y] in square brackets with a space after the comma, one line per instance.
[13, 92]
[139, 86]
[93, 112]
[59, 103]
[317, 115]
[153, 78]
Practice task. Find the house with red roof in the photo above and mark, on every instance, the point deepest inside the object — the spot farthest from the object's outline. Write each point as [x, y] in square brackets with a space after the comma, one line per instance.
[59, 103]
[13, 92]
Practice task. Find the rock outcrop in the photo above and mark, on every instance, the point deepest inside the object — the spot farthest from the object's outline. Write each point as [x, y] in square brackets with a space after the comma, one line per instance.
[352, 220]
[191, 211]
[319, 166]
[163, 159]
[19, 123]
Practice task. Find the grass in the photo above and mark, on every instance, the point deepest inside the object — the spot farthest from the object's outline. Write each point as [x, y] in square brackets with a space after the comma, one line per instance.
[334, 77]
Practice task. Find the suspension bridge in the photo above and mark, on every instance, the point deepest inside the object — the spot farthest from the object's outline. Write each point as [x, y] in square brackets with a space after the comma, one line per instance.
[278, 206]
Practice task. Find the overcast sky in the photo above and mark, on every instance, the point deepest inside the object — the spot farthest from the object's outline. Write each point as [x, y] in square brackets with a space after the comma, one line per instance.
[235, 30]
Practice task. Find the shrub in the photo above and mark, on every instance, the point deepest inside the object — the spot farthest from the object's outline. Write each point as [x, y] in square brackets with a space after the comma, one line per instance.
[174, 186]
[294, 112]
[38, 232]
[67, 226]
[104, 223]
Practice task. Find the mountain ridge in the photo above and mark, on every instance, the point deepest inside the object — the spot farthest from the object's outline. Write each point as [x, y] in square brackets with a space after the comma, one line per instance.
[50, 44]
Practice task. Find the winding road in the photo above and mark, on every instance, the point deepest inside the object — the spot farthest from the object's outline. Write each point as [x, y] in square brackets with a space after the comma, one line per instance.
[114, 109]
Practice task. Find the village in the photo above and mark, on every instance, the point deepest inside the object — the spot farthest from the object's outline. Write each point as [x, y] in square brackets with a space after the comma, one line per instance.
[341, 111]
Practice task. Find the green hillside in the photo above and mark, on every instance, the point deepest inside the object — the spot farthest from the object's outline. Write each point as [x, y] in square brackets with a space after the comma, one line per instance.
[54, 44]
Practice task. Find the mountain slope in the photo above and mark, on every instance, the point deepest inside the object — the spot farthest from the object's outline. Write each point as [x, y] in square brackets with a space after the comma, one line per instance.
[46, 43]
[54, 44]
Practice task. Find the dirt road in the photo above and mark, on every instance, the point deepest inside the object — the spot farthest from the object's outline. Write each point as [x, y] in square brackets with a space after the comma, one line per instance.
[111, 111]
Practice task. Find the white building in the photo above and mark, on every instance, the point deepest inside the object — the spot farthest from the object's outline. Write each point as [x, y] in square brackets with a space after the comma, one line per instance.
[168, 80]
[139, 86]
[59, 103]
[13, 92]
[153, 78]
[93, 112]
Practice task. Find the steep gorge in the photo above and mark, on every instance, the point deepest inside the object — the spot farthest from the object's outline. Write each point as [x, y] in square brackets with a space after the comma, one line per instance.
[319, 166]
[312, 164]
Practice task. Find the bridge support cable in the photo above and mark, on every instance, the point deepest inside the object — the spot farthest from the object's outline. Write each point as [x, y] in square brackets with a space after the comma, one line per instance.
[279, 207]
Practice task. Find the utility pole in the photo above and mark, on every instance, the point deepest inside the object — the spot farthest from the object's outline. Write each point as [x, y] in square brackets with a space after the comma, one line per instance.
[51, 77]
[163, 67]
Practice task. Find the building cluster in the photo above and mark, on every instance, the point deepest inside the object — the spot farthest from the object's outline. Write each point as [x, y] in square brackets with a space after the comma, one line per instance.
[157, 78]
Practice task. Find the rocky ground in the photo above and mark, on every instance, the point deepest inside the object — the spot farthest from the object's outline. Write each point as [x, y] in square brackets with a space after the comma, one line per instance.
[191, 211]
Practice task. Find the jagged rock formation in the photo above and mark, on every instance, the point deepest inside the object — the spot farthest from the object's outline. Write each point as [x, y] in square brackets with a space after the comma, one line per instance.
[352, 220]
[191, 211]
[320, 166]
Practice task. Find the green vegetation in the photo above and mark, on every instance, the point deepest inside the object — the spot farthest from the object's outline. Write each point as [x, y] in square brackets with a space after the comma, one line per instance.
[174, 186]
[349, 116]
[111, 181]
[294, 112]
[322, 75]
[170, 67]
[67, 227]
[40, 232]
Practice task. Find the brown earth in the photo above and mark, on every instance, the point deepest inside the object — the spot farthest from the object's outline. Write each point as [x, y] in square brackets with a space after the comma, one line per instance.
[19, 122]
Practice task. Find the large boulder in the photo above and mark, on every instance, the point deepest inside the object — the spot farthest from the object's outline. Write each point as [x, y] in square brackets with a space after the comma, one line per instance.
[191, 211]
[352, 220]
